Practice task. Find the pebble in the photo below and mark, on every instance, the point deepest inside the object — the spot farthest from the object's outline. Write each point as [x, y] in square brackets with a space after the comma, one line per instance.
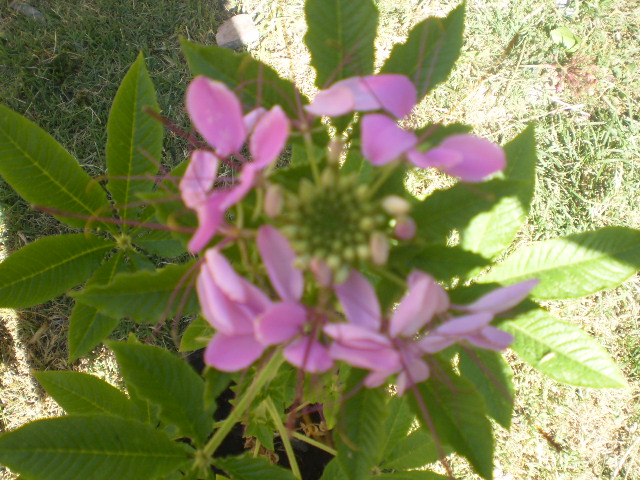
[237, 32]
[28, 11]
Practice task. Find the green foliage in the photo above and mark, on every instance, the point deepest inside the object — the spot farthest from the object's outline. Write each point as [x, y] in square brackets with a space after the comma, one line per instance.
[340, 38]
[562, 351]
[458, 413]
[145, 296]
[196, 336]
[235, 70]
[46, 175]
[430, 52]
[249, 468]
[134, 141]
[575, 265]
[361, 429]
[80, 393]
[49, 267]
[493, 379]
[164, 379]
[90, 447]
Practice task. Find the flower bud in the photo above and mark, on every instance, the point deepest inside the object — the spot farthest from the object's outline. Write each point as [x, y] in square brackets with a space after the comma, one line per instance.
[321, 272]
[405, 228]
[395, 205]
[273, 201]
[379, 244]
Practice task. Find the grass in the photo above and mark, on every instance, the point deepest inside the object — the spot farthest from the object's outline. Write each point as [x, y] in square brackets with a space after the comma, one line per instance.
[64, 73]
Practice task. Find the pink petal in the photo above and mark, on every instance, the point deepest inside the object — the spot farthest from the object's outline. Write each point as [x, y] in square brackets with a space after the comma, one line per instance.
[394, 92]
[416, 372]
[333, 102]
[355, 336]
[424, 299]
[308, 355]
[269, 137]
[230, 353]
[377, 378]
[481, 157]
[210, 218]
[251, 118]
[405, 228]
[503, 298]
[225, 277]
[278, 257]
[359, 301]
[199, 177]
[383, 140]
[217, 114]
[435, 343]
[467, 324]
[442, 158]
[280, 323]
[240, 190]
[370, 359]
[491, 338]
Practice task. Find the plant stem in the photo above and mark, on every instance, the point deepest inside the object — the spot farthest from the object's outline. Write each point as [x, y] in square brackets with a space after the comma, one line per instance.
[259, 381]
[284, 435]
[315, 443]
[311, 155]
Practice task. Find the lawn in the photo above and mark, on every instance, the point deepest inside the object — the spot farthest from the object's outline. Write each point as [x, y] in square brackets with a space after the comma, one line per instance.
[585, 99]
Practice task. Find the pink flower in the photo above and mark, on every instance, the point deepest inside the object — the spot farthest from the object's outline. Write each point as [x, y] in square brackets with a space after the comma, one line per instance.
[475, 328]
[217, 114]
[285, 321]
[392, 92]
[230, 304]
[390, 349]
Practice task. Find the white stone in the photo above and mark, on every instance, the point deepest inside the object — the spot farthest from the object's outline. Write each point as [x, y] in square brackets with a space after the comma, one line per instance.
[237, 32]
[28, 11]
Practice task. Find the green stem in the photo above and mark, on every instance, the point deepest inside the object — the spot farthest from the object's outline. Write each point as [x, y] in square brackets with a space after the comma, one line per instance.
[259, 382]
[284, 435]
[311, 155]
[315, 443]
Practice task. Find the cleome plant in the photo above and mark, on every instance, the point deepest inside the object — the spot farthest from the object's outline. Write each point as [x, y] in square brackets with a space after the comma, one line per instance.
[349, 329]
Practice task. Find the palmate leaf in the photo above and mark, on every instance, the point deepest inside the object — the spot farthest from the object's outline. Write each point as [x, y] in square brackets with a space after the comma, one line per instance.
[134, 140]
[145, 296]
[81, 393]
[260, 85]
[399, 421]
[90, 447]
[45, 174]
[341, 38]
[459, 415]
[158, 242]
[166, 380]
[413, 451]
[575, 265]
[49, 267]
[430, 52]
[360, 429]
[562, 351]
[491, 232]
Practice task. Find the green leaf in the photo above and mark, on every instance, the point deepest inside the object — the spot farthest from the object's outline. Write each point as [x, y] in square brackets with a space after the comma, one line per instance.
[413, 451]
[46, 175]
[360, 429]
[413, 475]
[81, 393]
[444, 263]
[341, 38]
[575, 265]
[196, 336]
[249, 468]
[87, 326]
[399, 421]
[95, 447]
[49, 267]
[257, 84]
[333, 471]
[562, 351]
[564, 37]
[166, 380]
[134, 140]
[145, 296]
[159, 242]
[492, 376]
[491, 232]
[430, 52]
[459, 415]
